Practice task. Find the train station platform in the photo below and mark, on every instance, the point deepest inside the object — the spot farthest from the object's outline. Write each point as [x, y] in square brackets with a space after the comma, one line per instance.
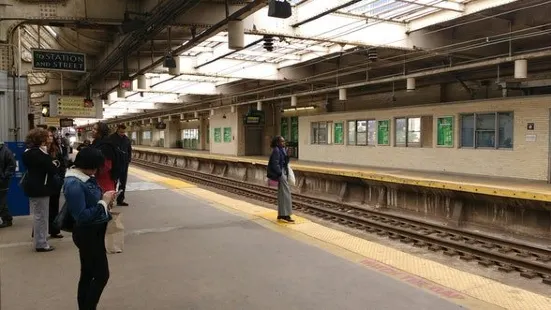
[190, 248]
[479, 185]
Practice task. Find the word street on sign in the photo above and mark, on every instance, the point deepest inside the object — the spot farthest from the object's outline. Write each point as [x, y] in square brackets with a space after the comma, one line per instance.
[59, 60]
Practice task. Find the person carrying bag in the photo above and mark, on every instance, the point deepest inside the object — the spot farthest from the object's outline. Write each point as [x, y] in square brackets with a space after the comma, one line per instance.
[89, 210]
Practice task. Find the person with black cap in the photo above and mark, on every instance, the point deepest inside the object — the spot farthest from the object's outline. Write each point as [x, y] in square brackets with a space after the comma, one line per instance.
[90, 211]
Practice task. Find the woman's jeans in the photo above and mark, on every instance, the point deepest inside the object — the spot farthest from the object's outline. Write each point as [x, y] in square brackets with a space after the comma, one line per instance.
[94, 267]
[40, 208]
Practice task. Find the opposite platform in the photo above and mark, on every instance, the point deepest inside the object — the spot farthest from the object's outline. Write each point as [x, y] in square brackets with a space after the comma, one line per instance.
[502, 187]
[188, 248]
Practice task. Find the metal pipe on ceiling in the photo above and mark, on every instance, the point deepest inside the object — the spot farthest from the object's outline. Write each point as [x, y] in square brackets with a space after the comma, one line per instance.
[249, 8]
[160, 17]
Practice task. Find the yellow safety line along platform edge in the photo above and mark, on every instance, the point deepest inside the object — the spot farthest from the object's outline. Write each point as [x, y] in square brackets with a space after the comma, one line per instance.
[382, 258]
[376, 176]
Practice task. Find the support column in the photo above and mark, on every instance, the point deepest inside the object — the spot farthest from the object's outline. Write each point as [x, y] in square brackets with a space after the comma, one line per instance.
[203, 133]
[172, 134]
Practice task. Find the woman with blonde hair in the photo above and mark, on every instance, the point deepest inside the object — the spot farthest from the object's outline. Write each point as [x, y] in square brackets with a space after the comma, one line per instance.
[39, 183]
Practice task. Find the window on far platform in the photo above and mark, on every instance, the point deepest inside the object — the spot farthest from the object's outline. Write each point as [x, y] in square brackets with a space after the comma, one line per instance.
[321, 132]
[408, 131]
[492, 130]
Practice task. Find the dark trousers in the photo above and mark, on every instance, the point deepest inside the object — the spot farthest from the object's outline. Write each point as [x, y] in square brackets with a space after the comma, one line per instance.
[122, 183]
[94, 267]
[4, 211]
[54, 210]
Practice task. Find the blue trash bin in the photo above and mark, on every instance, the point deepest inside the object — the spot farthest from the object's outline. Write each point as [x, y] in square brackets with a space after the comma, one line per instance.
[18, 203]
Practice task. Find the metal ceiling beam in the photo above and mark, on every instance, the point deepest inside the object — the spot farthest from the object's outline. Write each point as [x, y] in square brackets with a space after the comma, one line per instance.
[421, 74]
[322, 14]
[443, 5]
[162, 14]
[245, 11]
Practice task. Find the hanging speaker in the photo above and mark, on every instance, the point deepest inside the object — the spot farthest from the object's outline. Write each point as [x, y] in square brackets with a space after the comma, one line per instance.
[279, 9]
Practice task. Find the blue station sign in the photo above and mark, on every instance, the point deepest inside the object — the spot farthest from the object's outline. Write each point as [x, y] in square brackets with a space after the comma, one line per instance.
[58, 60]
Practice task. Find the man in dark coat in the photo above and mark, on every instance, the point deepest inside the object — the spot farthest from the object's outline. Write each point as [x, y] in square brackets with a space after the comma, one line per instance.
[7, 170]
[121, 140]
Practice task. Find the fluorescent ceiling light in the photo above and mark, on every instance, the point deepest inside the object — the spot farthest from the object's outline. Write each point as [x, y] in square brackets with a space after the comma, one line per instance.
[299, 108]
[51, 31]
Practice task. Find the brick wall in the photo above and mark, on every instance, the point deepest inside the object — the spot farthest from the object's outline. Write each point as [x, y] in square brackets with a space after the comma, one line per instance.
[528, 160]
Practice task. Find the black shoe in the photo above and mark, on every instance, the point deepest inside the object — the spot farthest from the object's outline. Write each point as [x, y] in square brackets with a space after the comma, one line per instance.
[286, 219]
[48, 249]
[122, 204]
[6, 224]
[56, 236]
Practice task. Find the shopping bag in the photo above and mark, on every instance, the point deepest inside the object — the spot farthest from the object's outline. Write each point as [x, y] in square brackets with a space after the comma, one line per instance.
[273, 183]
[291, 176]
[114, 236]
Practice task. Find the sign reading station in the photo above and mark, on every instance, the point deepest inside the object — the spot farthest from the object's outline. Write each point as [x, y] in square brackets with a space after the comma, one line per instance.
[59, 60]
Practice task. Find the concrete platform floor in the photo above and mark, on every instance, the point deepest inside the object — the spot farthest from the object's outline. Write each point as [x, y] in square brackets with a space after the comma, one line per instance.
[183, 253]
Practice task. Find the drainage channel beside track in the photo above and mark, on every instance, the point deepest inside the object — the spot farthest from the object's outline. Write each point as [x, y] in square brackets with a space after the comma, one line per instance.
[508, 256]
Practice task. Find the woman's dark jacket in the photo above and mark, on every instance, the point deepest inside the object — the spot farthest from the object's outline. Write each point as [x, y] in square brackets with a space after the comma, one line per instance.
[61, 170]
[83, 198]
[109, 150]
[279, 160]
[41, 179]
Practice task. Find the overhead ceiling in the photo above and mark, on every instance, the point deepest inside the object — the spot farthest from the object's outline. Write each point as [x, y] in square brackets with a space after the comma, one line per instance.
[323, 45]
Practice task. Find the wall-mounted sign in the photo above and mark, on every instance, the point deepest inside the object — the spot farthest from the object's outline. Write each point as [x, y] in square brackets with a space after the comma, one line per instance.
[50, 121]
[58, 60]
[125, 84]
[254, 117]
[75, 107]
[444, 132]
[217, 135]
[338, 133]
[383, 132]
[160, 126]
[66, 122]
[227, 134]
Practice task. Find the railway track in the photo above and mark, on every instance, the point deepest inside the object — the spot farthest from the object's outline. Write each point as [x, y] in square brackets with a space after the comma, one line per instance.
[508, 256]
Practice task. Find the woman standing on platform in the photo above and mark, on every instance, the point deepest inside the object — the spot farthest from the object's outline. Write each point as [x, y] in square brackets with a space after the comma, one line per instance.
[106, 175]
[278, 171]
[39, 183]
[90, 212]
[54, 149]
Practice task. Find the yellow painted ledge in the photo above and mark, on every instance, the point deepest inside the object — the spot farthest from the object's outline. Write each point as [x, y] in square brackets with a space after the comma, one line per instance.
[169, 182]
[382, 177]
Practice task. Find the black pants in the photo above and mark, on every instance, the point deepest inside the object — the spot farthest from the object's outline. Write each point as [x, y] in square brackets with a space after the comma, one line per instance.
[94, 267]
[4, 211]
[54, 210]
[122, 183]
